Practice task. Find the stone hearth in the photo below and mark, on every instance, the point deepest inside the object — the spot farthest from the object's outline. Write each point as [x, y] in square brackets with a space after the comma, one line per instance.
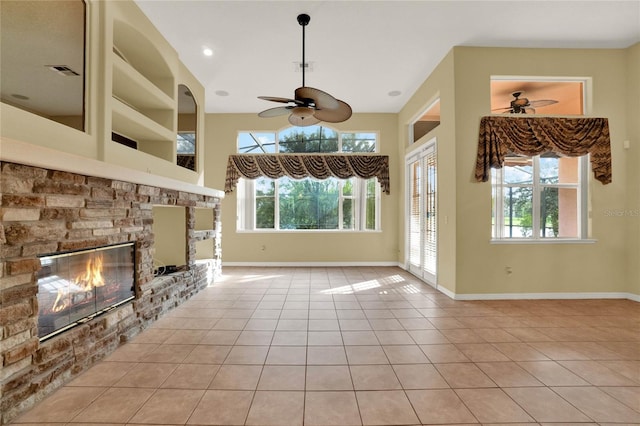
[46, 211]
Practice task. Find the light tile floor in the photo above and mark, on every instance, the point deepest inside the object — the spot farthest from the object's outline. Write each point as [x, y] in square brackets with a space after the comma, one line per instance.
[362, 346]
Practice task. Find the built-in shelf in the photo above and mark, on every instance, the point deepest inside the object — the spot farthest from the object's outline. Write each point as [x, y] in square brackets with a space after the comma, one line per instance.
[133, 124]
[205, 235]
[143, 88]
[134, 89]
[170, 239]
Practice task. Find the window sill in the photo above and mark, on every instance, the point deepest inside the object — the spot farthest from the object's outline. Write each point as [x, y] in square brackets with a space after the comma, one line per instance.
[303, 231]
[545, 241]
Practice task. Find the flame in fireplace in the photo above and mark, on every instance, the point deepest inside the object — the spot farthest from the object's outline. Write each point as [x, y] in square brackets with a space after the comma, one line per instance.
[92, 276]
[61, 303]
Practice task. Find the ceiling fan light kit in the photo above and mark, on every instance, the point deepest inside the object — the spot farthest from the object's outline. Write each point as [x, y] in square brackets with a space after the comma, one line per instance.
[309, 106]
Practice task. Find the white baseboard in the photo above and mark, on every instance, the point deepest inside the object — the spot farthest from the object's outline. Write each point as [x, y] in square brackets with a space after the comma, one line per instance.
[538, 296]
[532, 296]
[306, 264]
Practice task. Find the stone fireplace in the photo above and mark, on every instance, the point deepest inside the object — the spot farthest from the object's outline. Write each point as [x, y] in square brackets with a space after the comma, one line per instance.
[77, 276]
[78, 286]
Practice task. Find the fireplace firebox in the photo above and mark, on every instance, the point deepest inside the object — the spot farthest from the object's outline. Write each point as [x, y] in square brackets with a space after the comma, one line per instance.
[77, 286]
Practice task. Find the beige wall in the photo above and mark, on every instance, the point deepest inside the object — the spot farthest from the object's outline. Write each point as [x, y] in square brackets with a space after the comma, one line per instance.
[633, 168]
[302, 247]
[536, 268]
[170, 236]
[439, 84]
[539, 268]
[467, 262]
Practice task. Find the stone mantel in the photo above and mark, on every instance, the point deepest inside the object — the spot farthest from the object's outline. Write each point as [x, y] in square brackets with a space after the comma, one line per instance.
[15, 151]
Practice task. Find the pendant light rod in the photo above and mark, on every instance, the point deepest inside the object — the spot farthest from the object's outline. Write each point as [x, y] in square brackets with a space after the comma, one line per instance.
[303, 20]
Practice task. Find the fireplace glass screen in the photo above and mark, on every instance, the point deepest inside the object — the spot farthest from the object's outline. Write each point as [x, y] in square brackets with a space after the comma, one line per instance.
[75, 287]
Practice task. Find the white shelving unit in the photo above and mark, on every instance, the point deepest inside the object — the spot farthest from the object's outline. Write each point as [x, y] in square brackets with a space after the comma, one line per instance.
[144, 108]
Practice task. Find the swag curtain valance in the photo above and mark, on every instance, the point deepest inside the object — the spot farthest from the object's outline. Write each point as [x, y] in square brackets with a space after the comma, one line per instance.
[530, 136]
[319, 166]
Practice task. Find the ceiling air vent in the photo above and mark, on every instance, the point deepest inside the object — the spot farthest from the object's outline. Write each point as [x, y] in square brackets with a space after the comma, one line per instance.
[62, 69]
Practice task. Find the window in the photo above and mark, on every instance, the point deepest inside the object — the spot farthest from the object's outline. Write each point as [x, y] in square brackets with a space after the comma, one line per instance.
[186, 150]
[539, 197]
[542, 197]
[428, 121]
[287, 204]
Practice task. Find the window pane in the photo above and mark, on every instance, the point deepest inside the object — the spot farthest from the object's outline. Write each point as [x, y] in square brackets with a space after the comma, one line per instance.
[347, 188]
[549, 212]
[518, 169]
[495, 225]
[308, 204]
[186, 143]
[256, 143]
[559, 212]
[518, 212]
[348, 217]
[308, 139]
[549, 168]
[265, 203]
[415, 234]
[568, 169]
[371, 204]
[186, 150]
[265, 187]
[358, 142]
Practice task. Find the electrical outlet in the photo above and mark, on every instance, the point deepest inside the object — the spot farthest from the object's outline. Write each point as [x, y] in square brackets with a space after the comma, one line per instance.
[508, 270]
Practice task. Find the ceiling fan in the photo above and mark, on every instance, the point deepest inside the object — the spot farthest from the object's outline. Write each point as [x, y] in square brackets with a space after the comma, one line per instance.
[523, 105]
[309, 106]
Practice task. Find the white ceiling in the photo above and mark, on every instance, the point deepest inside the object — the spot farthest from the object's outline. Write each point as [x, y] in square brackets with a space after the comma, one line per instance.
[362, 50]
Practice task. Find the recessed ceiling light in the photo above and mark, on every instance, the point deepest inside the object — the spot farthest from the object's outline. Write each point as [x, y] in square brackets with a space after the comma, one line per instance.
[207, 51]
[222, 93]
[394, 93]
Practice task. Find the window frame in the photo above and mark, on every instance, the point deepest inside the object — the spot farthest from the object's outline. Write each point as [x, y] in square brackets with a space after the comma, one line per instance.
[246, 193]
[584, 175]
[582, 187]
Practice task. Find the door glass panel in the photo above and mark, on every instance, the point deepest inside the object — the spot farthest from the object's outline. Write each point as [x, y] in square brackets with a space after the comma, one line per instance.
[430, 243]
[414, 215]
[422, 220]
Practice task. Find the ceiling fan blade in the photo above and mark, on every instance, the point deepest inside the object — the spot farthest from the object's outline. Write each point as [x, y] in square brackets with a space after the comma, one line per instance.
[277, 99]
[322, 100]
[338, 115]
[542, 102]
[275, 112]
[501, 109]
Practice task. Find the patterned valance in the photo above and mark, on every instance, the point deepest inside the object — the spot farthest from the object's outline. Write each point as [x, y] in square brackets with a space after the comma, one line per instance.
[530, 136]
[299, 166]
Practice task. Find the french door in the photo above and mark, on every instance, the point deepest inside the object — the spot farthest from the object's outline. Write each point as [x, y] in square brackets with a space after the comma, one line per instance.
[422, 229]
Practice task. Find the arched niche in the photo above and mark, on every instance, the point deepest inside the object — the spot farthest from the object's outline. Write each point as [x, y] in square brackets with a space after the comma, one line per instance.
[186, 146]
[42, 64]
[139, 52]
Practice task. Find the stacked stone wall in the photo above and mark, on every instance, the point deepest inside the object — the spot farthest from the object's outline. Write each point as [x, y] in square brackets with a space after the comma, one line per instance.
[48, 211]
